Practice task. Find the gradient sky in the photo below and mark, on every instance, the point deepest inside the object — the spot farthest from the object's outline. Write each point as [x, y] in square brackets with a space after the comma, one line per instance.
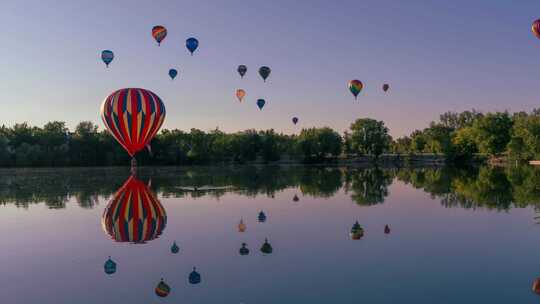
[437, 55]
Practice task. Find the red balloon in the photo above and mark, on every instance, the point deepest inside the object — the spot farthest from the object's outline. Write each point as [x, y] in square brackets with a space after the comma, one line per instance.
[133, 117]
[536, 28]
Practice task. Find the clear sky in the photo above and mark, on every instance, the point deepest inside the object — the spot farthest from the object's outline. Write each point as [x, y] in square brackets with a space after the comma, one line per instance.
[437, 56]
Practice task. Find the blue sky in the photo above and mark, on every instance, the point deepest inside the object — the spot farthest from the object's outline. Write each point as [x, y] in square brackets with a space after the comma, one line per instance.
[437, 56]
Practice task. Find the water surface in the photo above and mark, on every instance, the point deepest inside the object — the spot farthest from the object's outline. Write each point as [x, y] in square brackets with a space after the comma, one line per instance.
[456, 235]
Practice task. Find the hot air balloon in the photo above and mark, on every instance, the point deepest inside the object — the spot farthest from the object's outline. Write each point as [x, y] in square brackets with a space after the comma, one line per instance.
[386, 229]
[385, 87]
[174, 248]
[173, 73]
[241, 226]
[536, 28]
[262, 217]
[240, 94]
[260, 103]
[194, 277]
[134, 214]
[192, 44]
[109, 266]
[264, 71]
[244, 250]
[133, 117]
[266, 248]
[295, 120]
[536, 286]
[162, 289]
[159, 33]
[355, 86]
[242, 69]
[357, 232]
[107, 56]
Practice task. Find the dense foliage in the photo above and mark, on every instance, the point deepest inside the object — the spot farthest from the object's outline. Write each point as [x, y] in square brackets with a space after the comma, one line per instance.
[458, 136]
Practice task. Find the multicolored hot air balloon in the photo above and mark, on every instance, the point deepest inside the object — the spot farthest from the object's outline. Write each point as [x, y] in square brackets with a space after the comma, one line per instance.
[173, 73]
[355, 86]
[240, 94]
[260, 103]
[242, 69]
[134, 214]
[385, 87]
[536, 28]
[162, 289]
[159, 33]
[192, 44]
[295, 120]
[264, 71]
[107, 56]
[133, 117]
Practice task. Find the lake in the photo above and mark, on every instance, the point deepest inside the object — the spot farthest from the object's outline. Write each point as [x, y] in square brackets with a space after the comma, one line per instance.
[453, 236]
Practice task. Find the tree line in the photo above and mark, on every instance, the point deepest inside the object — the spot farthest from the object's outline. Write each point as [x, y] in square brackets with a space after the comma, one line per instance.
[458, 136]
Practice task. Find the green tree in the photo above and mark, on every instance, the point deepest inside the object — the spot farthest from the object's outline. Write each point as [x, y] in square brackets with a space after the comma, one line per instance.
[493, 132]
[317, 144]
[369, 136]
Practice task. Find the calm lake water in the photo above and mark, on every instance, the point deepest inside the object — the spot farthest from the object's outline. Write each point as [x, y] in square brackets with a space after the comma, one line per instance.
[455, 235]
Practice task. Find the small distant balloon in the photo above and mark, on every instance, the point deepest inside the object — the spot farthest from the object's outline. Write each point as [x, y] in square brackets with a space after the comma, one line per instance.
[266, 248]
[242, 69]
[260, 103]
[386, 229]
[536, 286]
[159, 33]
[355, 86]
[264, 71]
[536, 28]
[385, 87]
[173, 73]
[109, 266]
[174, 248]
[295, 120]
[194, 277]
[107, 56]
[162, 289]
[192, 44]
[262, 217]
[241, 226]
[240, 94]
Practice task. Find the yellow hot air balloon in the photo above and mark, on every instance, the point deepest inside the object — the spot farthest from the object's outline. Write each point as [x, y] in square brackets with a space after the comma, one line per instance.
[240, 94]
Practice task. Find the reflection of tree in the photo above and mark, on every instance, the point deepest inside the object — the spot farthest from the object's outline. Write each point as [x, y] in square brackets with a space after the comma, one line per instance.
[320, 182]
[369, 186]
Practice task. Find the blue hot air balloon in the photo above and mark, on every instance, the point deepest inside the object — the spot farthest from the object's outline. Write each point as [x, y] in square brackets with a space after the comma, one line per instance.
[107, 56]
[173, 73]
[192, 44]
[175, 248]
[110, 266]
[260, 103]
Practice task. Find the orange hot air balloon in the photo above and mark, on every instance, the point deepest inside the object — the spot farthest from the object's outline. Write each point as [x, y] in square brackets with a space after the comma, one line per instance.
[241, 226]
[134, 214]
[240, 94]
[133, 117]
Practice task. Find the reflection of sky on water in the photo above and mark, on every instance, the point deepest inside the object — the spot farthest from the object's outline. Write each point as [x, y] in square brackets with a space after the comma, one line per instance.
[433, 255]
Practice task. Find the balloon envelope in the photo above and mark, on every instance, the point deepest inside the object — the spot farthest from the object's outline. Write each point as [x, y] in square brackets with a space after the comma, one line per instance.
[159, 33]
[264, 71]
[173, 73]
[536, 28]
[107, 56]
[295, 120]
[385, 87]
[134, 214]
[192, 44]
[162, 289]
[260, 103]
[240, 94]
[242, 69]
[355, 86]
[133, 117]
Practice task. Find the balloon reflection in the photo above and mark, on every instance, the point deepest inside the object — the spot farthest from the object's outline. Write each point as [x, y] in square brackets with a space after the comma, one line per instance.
[134, 214]
[357, 232]
[244, 250]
